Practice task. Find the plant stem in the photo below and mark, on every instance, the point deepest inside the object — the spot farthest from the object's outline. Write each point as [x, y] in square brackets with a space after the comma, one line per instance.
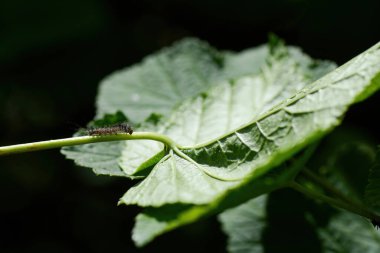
[42, 145]
[330, 188]
[362, 211]
[324, 184]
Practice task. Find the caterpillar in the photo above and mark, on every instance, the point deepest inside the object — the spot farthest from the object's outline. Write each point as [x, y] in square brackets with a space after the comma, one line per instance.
[110, 130]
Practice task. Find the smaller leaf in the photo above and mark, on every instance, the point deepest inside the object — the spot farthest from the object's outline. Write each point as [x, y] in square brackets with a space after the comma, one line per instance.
[347, 232]
[244, 225]
[153, 222]
[256, 227]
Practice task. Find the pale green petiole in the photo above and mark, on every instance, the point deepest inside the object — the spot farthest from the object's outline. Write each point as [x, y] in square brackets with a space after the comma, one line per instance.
[80, 140]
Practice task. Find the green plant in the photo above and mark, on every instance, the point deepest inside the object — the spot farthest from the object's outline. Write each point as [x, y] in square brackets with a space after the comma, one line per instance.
[220, 130]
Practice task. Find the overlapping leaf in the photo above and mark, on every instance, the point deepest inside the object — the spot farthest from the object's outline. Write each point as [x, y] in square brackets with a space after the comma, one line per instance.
[248, 224]
[244, 226]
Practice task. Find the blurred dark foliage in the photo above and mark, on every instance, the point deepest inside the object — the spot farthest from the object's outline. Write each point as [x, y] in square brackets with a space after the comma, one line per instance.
[53, 55]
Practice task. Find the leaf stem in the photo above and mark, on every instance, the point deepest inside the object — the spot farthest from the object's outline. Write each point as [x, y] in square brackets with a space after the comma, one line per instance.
[335, 202]
[80, 140]
[325, 185]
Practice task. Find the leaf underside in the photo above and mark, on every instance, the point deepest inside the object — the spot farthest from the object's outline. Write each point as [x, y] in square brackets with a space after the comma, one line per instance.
[185, 70]
[237, 117]
[268, 140]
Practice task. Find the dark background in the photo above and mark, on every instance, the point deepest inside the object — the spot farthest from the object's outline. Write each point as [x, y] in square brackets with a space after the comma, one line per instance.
[53, 55]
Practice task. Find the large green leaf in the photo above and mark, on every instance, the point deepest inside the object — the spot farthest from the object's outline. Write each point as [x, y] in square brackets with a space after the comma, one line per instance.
[230, 104]
[189, 67]
[233, 139]
[150, 225]
[260, 67]
[261, 144]
[250, 226]
[224, 107]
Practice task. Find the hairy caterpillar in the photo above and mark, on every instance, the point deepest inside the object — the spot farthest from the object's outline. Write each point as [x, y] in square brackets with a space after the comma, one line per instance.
[110, 130]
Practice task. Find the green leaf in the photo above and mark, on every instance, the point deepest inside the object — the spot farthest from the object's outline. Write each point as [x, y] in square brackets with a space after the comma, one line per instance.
[347, 232]
[230, 104]
[372, 192]
[269, 139]
[165, 79]
[155, 87]
[232, 140]
[101, 157]
[135, 157]
[153, 222]
[254, 227]
[244, 226]
[150, 221]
